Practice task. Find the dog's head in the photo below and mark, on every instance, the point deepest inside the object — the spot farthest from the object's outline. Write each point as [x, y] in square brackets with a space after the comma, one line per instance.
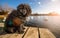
[24, 9]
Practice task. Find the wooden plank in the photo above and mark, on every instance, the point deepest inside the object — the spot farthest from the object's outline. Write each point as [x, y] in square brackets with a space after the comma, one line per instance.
[18, 35]
[32, 33]
[5, 36]
[2, 16]
[1, 24]
[14, 35]
[45, 33]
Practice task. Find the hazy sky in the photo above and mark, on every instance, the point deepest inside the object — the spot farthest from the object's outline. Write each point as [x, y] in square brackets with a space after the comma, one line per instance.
[40, 6]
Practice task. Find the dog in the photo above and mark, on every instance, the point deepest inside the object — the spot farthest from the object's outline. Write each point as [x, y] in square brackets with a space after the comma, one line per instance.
[16, 19]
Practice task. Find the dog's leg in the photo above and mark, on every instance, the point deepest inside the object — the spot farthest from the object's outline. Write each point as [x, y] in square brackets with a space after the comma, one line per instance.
[22, 25]
[20, 29]
[9, 29]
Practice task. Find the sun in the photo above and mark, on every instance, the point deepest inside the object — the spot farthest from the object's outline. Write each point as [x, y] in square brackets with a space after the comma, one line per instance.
[53, 0]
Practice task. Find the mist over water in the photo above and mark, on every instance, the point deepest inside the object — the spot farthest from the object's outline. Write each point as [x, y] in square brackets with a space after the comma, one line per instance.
[50, 22]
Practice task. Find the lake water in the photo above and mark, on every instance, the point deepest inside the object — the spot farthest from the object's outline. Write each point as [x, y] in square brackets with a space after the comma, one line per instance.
[50, 22]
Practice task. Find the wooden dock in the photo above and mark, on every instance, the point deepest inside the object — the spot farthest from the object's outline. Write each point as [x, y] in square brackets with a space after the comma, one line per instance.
[30, 32]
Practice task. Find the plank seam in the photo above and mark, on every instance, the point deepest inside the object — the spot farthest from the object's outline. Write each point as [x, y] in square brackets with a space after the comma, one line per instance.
[38, 33]
[25, 32]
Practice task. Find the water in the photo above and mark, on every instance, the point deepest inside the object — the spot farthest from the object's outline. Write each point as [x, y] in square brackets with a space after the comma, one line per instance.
[50, 22]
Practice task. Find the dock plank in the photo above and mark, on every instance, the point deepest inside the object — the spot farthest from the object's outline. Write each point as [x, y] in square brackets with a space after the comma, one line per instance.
[45, 33]
[14, 35]
[18, 35]
[5, 36]
[32, 33]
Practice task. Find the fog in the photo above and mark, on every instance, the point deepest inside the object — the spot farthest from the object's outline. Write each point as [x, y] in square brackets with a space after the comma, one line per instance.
[50, 22]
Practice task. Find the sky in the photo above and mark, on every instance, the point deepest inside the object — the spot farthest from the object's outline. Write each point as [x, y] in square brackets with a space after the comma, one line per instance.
[37, 6]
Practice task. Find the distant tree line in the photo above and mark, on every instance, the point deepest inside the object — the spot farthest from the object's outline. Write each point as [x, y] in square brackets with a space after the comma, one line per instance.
[4, 9]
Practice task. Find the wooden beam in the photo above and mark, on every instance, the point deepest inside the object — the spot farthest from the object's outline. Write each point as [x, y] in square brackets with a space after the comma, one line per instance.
[32, 33]
[45, 33]
[13, 35]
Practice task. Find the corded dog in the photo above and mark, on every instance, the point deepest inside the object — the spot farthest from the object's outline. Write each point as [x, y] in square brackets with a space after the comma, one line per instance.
[16, 19]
